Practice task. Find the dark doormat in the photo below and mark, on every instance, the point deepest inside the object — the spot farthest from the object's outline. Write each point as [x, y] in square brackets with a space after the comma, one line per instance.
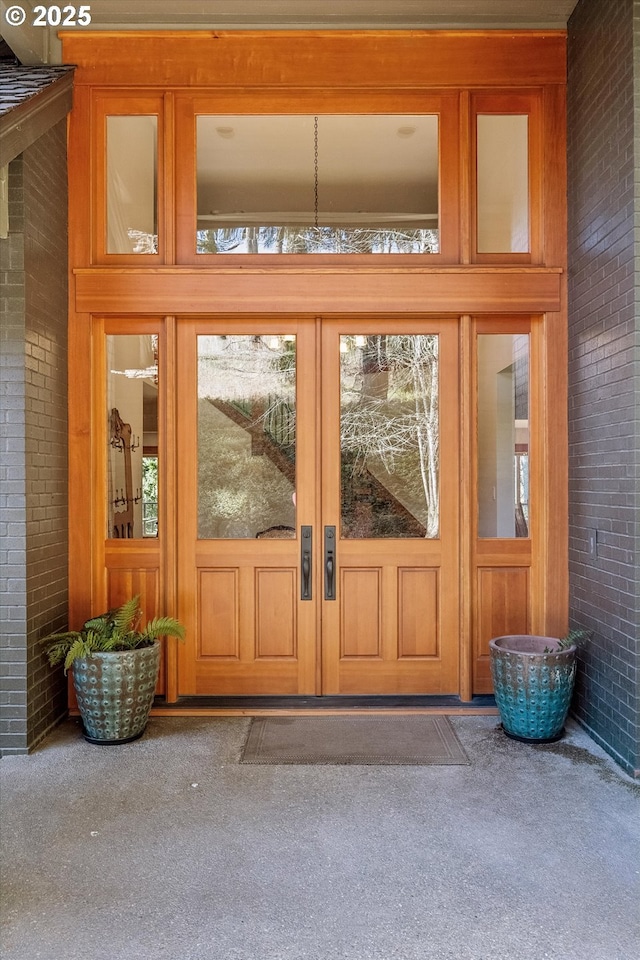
[405, 740]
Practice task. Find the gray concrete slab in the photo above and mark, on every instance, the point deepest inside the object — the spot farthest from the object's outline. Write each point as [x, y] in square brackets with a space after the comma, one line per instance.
[169, 849]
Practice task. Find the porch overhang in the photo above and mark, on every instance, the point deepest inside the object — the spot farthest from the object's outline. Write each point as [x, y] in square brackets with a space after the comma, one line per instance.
[32, 100]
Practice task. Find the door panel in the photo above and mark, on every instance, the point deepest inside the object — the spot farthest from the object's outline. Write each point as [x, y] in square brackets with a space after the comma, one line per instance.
[246, 476]
[390, 419]
[418, 591]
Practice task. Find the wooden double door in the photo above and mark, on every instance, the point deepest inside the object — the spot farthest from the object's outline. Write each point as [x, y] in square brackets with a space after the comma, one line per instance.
[318, 492]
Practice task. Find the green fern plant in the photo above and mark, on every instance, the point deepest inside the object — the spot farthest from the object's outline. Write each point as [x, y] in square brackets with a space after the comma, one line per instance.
[574, 636]
[118, 629]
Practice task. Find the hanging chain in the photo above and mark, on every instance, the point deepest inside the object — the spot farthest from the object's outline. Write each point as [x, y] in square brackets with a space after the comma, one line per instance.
[315, 169]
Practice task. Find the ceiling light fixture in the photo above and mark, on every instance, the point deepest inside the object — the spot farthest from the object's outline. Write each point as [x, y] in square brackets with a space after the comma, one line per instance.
[315, 171]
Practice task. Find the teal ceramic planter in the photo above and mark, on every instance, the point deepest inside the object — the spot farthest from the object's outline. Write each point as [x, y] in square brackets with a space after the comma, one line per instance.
[532, 688]
[115, 693]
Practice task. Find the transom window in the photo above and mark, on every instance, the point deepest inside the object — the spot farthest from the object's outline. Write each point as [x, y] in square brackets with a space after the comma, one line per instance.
[317, 184]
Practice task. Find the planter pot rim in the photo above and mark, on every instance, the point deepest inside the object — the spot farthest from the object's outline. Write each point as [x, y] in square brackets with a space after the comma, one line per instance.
[528, 644]
[105, 654]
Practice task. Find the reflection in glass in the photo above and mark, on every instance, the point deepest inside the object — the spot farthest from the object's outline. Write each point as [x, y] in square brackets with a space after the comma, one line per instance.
[132, 412]
[503, 435]
[503, 183]
[132, 175]
[389, 436]
[246, 436]
[327, 184]
[149, 495]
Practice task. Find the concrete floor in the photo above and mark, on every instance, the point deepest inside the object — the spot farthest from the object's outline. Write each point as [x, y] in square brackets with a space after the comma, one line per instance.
[169, 849]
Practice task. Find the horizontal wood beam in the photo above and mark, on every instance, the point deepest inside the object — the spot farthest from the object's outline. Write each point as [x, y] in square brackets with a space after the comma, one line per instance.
[187, 291]
[318, 58]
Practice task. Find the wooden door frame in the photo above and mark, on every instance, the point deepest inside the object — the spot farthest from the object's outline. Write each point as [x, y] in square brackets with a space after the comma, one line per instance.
[161, 67]
[125, 565]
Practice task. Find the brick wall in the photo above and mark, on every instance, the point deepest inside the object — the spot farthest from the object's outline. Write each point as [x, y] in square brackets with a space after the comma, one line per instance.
[33, 441]
[604, 369]
[13, 541]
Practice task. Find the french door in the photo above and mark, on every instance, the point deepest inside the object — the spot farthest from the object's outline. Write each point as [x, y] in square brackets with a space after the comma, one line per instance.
[318, 487]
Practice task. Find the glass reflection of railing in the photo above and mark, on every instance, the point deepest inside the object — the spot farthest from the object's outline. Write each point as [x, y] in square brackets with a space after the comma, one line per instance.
[312, 239]
[243, 406]
[522, 494]
[280, 424]
[149, 518]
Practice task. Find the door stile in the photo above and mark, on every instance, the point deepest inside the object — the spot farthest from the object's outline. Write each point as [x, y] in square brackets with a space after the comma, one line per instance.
[329, 483]
[99, 438]
[318, 577]
[307, 507]
[540, 397]
[450, 495]
[169, 514]
[186, 453]
[467, 518]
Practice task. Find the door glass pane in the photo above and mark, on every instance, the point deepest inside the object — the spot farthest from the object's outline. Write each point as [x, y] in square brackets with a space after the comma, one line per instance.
[246, 436]
[503, 435]
[327, 184]
[132, 184]
[389, 436]
[132, 417]
[503, 183]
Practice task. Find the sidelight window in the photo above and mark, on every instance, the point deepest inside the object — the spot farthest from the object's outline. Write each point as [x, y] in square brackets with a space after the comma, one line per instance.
[503, 435]
[132, 436]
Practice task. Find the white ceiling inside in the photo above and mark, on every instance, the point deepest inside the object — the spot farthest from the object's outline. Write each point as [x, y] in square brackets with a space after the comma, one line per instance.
[242, 166]
[38, 44]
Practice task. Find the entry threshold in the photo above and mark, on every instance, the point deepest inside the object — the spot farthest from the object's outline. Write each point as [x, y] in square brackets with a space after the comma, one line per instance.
[274, 706]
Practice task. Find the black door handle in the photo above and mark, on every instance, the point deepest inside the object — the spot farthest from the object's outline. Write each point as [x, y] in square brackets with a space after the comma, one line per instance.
[305, 562]
[329, 563]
